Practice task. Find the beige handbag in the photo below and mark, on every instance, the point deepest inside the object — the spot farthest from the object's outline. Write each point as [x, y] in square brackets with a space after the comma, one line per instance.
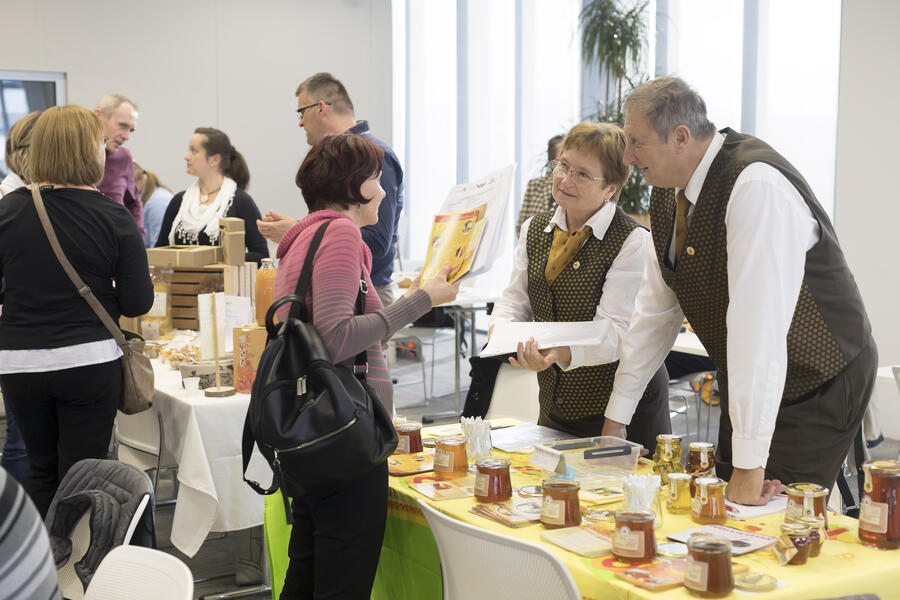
[137, 372]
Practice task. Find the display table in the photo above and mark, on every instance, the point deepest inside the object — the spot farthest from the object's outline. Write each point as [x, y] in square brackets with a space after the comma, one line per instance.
[204, 436]
[410, 565]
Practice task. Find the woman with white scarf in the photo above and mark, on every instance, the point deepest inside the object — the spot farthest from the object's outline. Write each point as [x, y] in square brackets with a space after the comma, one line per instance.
[222, 176]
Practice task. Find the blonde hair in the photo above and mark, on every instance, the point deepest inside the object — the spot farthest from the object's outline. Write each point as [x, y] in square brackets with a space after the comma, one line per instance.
[150, 184]
[17, 143]
[606, 143]
[65, 147]
[108, 104]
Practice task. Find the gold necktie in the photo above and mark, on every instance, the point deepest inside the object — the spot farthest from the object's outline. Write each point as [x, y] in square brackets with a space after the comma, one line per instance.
[563, 249]
[682, 204]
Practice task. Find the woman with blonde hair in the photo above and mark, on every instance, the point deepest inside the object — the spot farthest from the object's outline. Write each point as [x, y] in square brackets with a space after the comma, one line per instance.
[17, 143]
[155, 197]
[59, 366]
[582, 261]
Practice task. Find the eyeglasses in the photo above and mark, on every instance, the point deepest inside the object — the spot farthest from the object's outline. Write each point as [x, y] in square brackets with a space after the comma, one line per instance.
[561, 169]
[303, 109]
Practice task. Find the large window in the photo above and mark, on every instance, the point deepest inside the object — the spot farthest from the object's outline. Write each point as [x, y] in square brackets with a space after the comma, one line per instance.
[22, 92]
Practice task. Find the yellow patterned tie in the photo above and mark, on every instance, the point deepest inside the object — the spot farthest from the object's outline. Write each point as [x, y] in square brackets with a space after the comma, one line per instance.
[682, 204]
[563, 249]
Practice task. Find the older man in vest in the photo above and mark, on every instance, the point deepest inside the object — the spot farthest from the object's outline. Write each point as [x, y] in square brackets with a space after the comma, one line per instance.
[742, 248]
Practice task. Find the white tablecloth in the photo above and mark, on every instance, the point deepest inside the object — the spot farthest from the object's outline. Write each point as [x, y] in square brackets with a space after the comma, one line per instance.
[204, 435]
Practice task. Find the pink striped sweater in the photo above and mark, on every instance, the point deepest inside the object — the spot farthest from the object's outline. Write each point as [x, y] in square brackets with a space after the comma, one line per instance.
[341, 259]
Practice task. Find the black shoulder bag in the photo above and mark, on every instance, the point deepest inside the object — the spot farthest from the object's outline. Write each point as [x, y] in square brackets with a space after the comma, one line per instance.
[315, 422]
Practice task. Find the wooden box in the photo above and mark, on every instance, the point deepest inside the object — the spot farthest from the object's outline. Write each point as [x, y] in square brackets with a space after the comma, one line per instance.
[187, 283]
[184, 256]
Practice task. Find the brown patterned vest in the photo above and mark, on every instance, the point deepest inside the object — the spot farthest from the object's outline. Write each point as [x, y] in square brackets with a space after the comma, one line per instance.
[829, 326]
[580, 395]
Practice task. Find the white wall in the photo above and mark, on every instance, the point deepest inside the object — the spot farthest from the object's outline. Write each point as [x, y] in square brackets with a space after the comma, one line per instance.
[223, 63]
[867, 212]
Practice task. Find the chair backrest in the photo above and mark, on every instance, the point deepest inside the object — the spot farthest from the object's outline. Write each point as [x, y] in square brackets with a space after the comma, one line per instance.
[478, 563]
[140, 573]
[515, 395]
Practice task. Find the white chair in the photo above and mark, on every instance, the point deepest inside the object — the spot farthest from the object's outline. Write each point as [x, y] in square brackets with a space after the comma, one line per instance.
[515, 395]
[140, 573]
[139, 440]
[473, 559]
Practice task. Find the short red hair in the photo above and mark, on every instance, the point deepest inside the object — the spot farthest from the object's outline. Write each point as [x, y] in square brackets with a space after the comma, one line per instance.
[335, 169]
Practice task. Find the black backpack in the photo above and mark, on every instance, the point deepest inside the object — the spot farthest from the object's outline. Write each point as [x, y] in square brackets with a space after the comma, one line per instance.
[316, 423]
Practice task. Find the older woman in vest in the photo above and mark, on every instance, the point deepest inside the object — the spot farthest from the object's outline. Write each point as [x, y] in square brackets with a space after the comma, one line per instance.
[582, 261]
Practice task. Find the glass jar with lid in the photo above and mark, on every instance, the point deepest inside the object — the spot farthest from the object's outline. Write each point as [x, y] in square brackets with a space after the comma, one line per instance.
[879, 514]
[634, 539]
[560, 506]
[667, 456]
[799, 536]
[708, 573]
[806, 499]
[678, 501]
[450, 459]
[708, 505]
[492, 483]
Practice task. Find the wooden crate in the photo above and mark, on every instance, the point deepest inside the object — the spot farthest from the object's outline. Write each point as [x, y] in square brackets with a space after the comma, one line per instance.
[186, 283]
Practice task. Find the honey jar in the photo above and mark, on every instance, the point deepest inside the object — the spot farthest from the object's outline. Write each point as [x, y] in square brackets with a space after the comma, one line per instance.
[679, 497]
[799, 535]
[806, 500]
[708, 505]
[816, 534]
[708, 573]
[409, 438]
[879, 515]
[633, 539]
[450, 457]
[560, 507]
[667, 456]
[701, 460]
[492, 482]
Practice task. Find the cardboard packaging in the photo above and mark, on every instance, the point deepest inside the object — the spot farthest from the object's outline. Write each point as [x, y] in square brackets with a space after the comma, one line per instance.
[249, 343]
[184, 256]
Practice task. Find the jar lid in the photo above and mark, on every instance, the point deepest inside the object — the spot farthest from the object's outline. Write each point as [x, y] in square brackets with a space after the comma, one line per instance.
[672, 550]
[889, 468]
[429, 442]
[700, 446]
[492, 463]
[796, 528]
[639, 516]
[530, 491]
[754, 581]
[404, 427]
[810, 521]
[813, 490]
[662, 438]
[677, 476]
[452, 440]
[710, 482]
[560, 484]
[718, 543]
[597, 515]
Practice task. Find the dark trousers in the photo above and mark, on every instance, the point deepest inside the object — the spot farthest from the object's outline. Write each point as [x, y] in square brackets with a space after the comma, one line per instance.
[14, 459]
[336, 540]
[813, 433]
[64, 416]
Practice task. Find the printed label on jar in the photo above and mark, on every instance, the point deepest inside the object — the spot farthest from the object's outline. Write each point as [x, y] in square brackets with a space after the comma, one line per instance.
[794, 511]
[628, 543]
[696, 506]
[553, 511]
[443, 460]
[696, 574]
[159, 305]
[704, 460]
[873, 516]
[402, 444]
[481, 484]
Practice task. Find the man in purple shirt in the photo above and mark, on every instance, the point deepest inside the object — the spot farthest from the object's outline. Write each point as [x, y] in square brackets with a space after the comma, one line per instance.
[119, 117]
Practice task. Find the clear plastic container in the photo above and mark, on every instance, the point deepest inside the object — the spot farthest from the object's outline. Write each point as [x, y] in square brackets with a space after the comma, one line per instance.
[604, 458]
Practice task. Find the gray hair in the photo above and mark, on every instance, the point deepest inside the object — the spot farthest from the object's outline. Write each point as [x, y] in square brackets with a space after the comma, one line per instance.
[108, 104]
[668, 102]
[325, 86]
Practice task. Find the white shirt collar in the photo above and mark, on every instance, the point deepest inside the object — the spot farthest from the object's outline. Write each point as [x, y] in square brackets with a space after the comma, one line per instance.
[695, 183]
[599, 221]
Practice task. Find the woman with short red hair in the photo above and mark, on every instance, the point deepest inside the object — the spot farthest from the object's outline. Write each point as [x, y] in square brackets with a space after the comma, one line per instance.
[336, 537]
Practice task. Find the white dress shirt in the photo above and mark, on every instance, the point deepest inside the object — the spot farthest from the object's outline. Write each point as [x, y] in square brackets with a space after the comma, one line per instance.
[616, 299]
[10, 183]
[769, 231]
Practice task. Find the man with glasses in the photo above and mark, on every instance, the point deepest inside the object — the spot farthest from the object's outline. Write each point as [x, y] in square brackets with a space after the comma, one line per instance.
[119, 117]
[324, 107]
[742, 248]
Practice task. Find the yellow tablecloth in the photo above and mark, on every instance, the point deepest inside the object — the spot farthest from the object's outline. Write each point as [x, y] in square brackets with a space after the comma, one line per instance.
[845, 567]
[410, 567]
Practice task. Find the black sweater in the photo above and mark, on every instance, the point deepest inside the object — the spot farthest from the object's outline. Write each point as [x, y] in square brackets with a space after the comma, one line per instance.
[242, 206]
[41, 308]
